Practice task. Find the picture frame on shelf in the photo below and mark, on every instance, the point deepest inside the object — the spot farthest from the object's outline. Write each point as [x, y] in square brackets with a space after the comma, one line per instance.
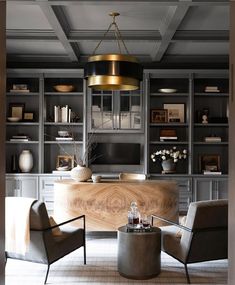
[16, 110]
[175, 112]
[209, 163]
[159, 116]
[28, 117]
[64, 162]
[20, 88]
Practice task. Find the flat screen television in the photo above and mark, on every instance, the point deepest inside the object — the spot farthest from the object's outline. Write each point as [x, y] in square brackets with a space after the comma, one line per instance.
[116, 153]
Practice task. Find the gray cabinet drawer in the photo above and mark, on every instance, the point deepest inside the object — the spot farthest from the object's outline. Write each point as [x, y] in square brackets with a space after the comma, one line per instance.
[46, 186]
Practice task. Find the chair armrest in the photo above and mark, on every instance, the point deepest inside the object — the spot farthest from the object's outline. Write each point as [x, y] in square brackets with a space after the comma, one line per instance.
[69, 221]
[170, 222]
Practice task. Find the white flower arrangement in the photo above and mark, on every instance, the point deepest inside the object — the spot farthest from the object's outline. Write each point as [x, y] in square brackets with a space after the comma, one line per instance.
[166, 154]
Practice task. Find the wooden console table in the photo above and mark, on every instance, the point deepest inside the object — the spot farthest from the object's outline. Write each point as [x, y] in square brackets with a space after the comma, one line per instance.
[106, 204]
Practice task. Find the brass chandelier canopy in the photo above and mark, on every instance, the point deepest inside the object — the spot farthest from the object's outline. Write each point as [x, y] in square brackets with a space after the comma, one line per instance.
[113, 71]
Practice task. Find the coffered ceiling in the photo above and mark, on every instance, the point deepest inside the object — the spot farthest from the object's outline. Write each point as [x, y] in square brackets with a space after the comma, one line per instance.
[160, 33]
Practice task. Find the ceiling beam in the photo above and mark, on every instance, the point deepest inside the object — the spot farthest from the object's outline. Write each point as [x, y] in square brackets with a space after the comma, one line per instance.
[37, 58]
[135, 35]
[199, 36]
[60, 26]
[58, 58]
[132, 35]
[28, 34]
[115, 2]
[82, 35]
[196, 58]
[173, 19]
[143, 58]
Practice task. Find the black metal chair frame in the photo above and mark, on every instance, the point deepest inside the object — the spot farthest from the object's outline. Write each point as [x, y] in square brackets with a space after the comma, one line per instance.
[61, 224]
[194, 231]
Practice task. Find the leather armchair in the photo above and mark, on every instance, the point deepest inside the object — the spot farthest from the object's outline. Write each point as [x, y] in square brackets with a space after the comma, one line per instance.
[204, 236]
[46, 246]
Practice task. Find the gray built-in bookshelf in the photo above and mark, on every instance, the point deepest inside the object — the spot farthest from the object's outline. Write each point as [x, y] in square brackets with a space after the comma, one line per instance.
[197, 120]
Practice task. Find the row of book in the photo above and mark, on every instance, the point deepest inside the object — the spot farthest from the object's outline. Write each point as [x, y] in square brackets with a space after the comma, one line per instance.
[20, 138]
[168, 135]
[20, 88]
[175, 138]
[163, 139]
[25, 138]
[212, 139]
[64, 138]
[62, 114]
[207, 172]
[212, 89]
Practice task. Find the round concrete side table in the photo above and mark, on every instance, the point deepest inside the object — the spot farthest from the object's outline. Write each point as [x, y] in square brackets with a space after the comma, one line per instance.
[139, 253]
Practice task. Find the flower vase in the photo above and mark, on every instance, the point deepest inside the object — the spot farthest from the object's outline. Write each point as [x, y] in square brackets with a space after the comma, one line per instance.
[168, 166]
[26, 161]
[80, 173]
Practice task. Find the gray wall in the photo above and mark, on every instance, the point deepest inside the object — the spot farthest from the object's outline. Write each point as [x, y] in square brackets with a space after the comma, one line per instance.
[2, 137]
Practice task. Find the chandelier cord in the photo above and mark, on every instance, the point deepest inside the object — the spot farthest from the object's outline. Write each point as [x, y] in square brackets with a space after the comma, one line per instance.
[117, 36]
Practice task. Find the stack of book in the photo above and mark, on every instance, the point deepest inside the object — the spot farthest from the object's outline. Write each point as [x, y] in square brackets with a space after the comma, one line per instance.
[212, 89]
[212, 139]
[20, 138]
[62, 114]
[23, 88]
[64, 138]
[168, 135]
[208, 172]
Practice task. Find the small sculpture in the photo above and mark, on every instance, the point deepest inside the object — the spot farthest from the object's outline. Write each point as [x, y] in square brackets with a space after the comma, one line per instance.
[204, 119]
[205, 114]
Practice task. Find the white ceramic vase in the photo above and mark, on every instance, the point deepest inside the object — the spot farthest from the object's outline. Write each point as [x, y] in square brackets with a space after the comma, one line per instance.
[26, 161]
[81, 173]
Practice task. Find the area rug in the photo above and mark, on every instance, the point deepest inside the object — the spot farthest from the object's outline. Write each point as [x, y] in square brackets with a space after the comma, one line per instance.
[101, 268]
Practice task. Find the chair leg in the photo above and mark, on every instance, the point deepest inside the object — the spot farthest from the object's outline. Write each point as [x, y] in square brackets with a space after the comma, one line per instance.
[5, 259]
[84, 240]
[48, 267]
[187, 275]
[84, 252]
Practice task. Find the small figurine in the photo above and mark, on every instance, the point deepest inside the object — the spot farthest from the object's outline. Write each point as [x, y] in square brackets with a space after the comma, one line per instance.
[205, 114]
[204, 119]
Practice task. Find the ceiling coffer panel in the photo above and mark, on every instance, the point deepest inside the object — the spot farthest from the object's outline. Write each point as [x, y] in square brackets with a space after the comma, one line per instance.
[206, 18]
[192, 48]
[133, 16]
[31, 47]
[21, 16]
[154, 31]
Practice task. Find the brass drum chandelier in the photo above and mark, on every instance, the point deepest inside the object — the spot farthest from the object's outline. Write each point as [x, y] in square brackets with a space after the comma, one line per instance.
[113, 71]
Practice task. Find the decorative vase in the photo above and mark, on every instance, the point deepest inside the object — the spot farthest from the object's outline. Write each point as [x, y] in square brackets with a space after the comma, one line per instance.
[168, 166]
[81, 173]
[26, 161]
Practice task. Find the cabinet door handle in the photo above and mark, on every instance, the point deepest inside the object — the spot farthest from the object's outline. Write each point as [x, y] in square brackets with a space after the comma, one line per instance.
[17, 190]
[17, 185]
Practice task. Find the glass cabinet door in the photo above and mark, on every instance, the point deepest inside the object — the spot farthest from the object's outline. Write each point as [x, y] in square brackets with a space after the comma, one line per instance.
[114, 110]
[130, 110]
[102, 110]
